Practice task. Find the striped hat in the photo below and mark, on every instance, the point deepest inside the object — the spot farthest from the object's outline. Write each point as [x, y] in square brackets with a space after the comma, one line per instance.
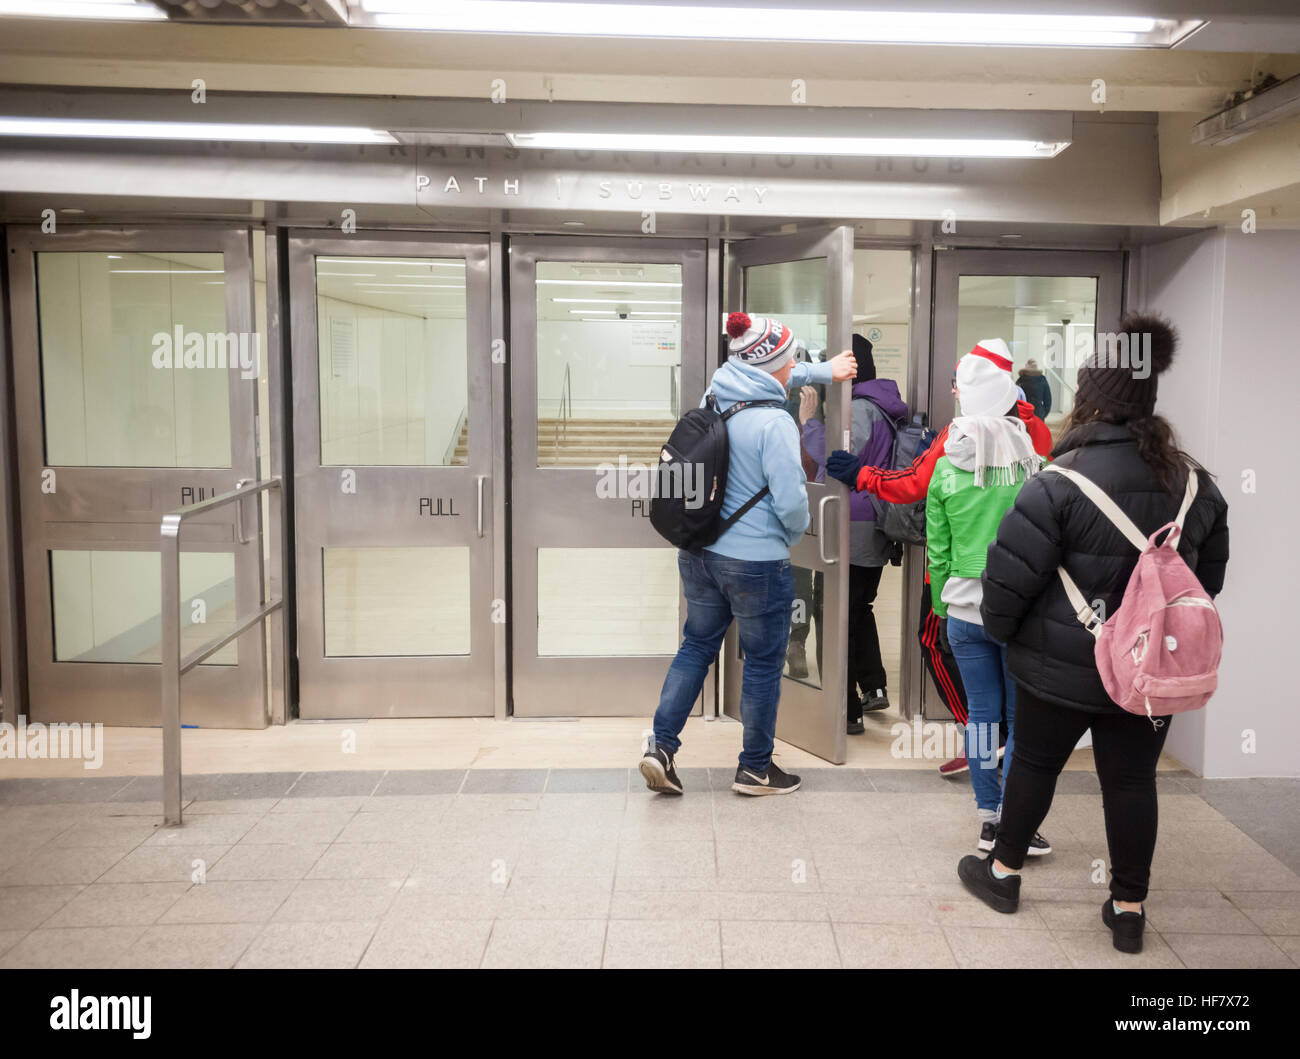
[760, 341]
[984, 384]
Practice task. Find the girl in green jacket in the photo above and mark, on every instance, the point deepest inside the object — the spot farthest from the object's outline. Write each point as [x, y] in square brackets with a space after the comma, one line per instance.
[988, 458]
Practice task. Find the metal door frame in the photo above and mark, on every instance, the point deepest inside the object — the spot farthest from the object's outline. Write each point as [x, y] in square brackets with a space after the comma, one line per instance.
[394, 685]
[812, 719]
[85, 512]
[544, 499]
[950, 264]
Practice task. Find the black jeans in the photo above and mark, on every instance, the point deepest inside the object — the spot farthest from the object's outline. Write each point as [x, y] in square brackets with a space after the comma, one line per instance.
[1125, 749]
[866, 670]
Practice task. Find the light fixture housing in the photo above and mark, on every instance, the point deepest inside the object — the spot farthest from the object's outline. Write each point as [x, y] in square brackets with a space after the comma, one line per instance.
[117, 10]
[838, 146]
[1268, 107]
[97, 128]
[783, 24]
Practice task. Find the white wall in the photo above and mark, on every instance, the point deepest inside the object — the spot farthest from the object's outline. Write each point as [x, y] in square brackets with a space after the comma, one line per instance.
[397, 396]
[1230, 395]
[608, 377]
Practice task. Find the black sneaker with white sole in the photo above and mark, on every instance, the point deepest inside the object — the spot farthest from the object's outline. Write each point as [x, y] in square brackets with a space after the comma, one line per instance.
[877, 700]
[660, 772]
[773, 781]
[1039, 846]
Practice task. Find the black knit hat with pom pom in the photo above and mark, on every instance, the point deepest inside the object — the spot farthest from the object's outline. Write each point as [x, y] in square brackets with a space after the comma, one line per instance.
[1120, 380]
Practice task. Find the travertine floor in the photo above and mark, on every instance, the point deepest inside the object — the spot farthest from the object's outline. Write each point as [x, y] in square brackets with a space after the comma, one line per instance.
[583, 868]
[439, 743]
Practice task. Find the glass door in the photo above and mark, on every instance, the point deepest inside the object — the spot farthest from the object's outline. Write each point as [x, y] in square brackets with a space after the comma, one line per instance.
[806, 281]
[135, 370]
[1051, 307]
[393, 444]
[608, 344]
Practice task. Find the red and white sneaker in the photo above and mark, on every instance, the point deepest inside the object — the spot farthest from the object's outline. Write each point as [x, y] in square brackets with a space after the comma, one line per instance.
[955, 767]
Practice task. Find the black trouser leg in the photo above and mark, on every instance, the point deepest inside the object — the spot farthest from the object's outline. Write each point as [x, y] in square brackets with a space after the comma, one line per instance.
[941, 664]
[1126, 749]
[1046, 735]
[866, 670]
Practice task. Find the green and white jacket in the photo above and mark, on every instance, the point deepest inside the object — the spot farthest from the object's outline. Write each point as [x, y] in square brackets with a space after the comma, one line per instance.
[986, 461]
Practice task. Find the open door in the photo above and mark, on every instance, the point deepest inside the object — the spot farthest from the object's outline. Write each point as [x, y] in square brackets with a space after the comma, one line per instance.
[806, 281]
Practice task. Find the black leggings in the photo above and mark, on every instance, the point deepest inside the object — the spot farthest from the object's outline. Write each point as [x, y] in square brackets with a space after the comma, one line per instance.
[1125, 749]
[866, 670]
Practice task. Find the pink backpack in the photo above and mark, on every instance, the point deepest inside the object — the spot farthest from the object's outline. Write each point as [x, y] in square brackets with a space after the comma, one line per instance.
[1158, 654]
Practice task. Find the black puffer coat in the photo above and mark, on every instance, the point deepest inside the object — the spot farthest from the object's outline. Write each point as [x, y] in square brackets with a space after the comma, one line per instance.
[1053, 524]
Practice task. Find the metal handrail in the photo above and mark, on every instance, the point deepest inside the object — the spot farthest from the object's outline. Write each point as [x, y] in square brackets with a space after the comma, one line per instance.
[674, 396]
[449, 453]
[173, 665]
[565, 410]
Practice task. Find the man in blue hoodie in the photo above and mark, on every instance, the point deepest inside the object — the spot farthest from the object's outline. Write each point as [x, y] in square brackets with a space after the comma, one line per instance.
[745, 574]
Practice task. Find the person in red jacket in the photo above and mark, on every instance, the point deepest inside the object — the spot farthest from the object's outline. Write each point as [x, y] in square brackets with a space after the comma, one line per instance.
[907, 485]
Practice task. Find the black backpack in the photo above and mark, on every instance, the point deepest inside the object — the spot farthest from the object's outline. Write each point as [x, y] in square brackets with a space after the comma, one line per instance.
[691, 481]
[904, 523]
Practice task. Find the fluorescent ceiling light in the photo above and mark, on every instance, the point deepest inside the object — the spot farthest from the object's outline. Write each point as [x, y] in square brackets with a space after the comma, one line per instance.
[407, 261]
[620, 301]
[190, 130]
[116, 9]
[167, 271]
[865, 146]
[611, 282]
[772, 24]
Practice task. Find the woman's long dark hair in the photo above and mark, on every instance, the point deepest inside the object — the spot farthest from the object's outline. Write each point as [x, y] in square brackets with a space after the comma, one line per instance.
[1156, 441]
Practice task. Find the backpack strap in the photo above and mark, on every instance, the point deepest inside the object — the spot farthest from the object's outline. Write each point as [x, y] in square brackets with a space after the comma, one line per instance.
[727, 523]
[1108, 507]
[740, 406]
[1189, 494]
[1082, 608]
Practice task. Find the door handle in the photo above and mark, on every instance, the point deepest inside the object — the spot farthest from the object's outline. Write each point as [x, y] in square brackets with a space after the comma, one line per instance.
[239, 513]
[821, 528]
[481, 479]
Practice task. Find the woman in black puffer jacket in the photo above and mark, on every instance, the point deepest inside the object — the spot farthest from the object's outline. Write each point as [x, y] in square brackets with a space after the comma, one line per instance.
[1114, 438]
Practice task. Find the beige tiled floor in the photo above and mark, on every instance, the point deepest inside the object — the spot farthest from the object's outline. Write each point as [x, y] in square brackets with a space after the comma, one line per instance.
[475, 743]
[610, 876]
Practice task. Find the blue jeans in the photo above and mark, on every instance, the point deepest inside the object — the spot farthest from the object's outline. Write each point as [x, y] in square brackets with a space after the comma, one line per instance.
[759, 596]
[990, 693]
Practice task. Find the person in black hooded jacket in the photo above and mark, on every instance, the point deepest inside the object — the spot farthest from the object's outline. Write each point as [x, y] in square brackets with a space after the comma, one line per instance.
[1113, 437]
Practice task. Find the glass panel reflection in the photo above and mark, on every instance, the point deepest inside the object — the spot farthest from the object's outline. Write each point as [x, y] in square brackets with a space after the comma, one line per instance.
[106, 605]
[609, 361]
[607, 602]
[803, 658]
[1048, 321]
[396, 601]
[392, 354]
[135, 359]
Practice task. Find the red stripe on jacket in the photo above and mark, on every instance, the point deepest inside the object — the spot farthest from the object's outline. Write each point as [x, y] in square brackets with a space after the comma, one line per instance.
[909, 484]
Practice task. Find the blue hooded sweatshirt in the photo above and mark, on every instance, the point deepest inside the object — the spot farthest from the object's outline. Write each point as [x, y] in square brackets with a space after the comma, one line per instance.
[763, 445]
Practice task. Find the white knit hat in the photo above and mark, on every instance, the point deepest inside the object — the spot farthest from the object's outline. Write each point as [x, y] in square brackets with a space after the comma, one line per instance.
[984, 385]
[760, 341]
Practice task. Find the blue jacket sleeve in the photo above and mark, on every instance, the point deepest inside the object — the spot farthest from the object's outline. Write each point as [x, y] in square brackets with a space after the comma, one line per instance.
[785, 478]
[806, 373]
